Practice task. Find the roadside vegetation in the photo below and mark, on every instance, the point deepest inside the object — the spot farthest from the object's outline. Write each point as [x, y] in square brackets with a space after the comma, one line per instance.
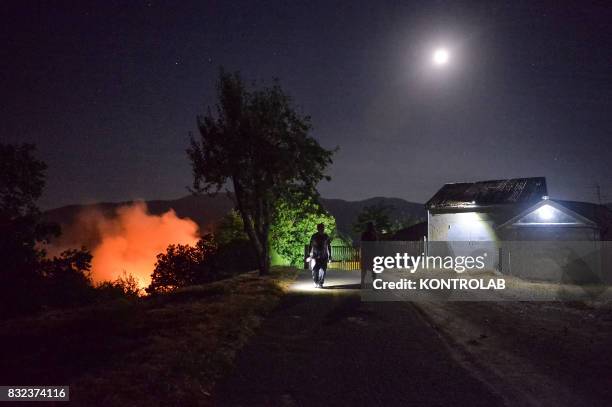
[111, 343]
[116, 343]
[160, 350]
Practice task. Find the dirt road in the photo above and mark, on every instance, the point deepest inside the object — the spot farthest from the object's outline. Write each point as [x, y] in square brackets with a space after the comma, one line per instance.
[549, 353]
[327, 347]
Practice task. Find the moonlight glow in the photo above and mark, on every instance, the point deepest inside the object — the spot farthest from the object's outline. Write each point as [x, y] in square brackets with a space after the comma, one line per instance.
[440, 57]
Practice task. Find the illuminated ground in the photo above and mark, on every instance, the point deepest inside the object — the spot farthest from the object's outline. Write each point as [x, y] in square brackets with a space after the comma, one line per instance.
[337, 282]
[327, 347]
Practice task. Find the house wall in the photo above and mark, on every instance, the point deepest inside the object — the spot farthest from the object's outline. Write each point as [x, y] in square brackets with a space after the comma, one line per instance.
[568, 254]
[462, 226]
[557, 253]
[463, 234]
[545, 233]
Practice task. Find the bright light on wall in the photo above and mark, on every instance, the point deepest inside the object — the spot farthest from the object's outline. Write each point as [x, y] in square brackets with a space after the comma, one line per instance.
[468, 226]
[545, 212]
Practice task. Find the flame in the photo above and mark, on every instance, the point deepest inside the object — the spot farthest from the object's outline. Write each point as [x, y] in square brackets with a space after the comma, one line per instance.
[129, 241]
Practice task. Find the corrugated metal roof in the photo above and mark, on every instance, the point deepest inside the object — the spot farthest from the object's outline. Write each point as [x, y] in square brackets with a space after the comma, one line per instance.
[488, 193]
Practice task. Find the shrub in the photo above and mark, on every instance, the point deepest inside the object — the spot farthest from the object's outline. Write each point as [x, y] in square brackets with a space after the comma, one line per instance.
[125, 286]
[183, 265]
[66, 279]
[294, 224]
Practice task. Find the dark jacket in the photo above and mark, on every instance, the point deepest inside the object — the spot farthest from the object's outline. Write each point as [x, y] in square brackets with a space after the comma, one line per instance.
[320, 247]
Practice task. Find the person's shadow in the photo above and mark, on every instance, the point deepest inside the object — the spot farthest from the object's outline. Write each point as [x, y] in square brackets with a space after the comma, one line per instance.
[343, 287]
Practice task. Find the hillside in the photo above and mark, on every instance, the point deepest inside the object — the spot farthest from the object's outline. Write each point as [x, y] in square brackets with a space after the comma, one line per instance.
[205, 210]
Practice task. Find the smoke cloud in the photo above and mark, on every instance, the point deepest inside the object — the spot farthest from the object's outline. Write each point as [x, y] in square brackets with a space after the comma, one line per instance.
[128, 240]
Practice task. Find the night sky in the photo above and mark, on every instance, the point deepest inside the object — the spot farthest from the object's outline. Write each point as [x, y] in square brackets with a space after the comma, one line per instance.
[110, 91]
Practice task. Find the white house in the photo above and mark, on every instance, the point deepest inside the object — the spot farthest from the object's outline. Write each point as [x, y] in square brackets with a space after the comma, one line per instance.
[523, 231]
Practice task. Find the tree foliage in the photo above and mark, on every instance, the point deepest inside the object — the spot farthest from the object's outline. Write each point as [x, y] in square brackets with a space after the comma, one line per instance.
[378, 214]
[257, 142]
[183, 265]
[382, 216]
[294, 223]
[67, 279]
[29, 280]
[234, 253]
[22, 179]
[230, 229]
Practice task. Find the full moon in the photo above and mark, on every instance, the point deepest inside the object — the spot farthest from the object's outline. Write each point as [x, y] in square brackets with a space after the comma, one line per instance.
[440, 57]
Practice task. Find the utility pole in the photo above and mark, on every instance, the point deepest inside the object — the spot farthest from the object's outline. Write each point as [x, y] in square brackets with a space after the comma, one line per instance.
[598, 190]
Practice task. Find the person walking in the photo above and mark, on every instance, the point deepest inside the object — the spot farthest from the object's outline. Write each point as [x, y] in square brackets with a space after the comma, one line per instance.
[368, 235]
[320, 254]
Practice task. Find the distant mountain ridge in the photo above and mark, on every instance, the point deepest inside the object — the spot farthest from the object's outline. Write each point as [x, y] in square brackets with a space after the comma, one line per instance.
[206, 210]
[346, 212]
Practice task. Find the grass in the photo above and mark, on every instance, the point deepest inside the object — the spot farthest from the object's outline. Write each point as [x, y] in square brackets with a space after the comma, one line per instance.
[166, 350]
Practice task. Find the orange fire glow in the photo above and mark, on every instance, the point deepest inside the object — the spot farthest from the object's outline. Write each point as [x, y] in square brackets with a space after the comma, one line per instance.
[130, 241]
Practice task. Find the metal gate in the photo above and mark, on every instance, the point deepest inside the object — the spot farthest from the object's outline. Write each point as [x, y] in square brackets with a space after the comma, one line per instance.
[344, 258]
[349, 257]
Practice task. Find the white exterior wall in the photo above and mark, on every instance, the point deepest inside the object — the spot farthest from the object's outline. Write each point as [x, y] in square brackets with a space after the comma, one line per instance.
[533, 252]
[464, 226]
[472, 231]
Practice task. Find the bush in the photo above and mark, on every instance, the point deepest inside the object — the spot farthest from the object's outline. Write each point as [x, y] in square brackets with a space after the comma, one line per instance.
[208, 260]
[66, 279]
[183, 265]
[294, 224]
[125, 287]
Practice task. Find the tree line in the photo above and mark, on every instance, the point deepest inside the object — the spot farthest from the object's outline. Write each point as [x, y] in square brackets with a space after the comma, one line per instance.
[253, 141]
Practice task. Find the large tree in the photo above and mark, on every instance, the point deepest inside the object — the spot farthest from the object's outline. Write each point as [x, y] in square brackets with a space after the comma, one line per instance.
[256, 141]
[22, 180]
